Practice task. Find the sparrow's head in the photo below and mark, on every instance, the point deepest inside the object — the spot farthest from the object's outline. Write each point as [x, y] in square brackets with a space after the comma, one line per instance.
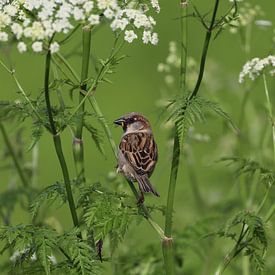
[133, 122]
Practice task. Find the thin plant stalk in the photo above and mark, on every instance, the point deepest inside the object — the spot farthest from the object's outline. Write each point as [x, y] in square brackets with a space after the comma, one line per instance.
[16, 162]
[78, 139]
[269, 108]
[205, 50]
[57, 142]
[168, 243]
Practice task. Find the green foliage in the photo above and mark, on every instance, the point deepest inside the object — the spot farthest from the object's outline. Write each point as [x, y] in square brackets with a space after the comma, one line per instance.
[96, 136]
[83, 259]
[27, 241]
[14, 110]
[252, 238]
[107, 213]
[36, 246]
[185, 112]
[249, 167]
[49, 195]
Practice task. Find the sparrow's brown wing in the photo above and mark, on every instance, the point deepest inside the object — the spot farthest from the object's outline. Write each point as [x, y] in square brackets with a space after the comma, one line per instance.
[141, 151]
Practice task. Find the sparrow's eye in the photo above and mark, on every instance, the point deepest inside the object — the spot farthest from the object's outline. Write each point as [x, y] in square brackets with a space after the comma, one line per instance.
[131, 120]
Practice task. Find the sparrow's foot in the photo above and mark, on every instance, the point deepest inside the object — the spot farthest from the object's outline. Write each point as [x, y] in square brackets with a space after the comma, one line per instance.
[140, 199]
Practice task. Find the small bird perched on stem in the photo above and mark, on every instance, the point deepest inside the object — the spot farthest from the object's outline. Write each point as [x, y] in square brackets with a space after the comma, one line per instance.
[138, 153]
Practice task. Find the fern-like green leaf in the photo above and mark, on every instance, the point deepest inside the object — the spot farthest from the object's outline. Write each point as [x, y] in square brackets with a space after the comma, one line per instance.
[82, 256]
[96, 136]
[186, 112]
[49, 195]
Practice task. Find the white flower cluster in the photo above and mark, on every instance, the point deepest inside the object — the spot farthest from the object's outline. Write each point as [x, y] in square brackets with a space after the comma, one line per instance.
[256, 66]
[172, 62]
[34, 22]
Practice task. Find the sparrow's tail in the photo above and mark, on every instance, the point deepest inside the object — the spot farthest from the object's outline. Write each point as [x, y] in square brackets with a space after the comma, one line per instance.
[145, 185]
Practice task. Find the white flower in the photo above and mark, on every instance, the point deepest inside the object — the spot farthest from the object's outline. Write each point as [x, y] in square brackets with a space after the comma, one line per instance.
[88, 6]
[37, 46]
[61, 16]
[52, 259]
[94, 19]
[4, 36]
[78, 14]
[155, 5]
[130, 36]
[54, 47]
[131, 13]
[34, 257]
[172, 47]
[21, 46]
[163, 68]
[37, 31]
[255, 67]
[169, 79]
[17, 30]
[119, 24]
[263, 23]
[108, 13]
[10, 10]
[141, 20]
[5, 20]
[104, 4]
[154, 38]
[146, 38]
[16, 254]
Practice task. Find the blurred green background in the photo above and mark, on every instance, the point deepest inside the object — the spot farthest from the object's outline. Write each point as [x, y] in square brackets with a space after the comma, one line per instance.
[137, 86]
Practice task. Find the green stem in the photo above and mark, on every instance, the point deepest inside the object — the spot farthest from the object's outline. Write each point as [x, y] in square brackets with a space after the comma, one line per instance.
[264, 200]
[269, 108]
[205, 50]
[104, 124]
[78, 150]
[168, 245]
[234, 251]
[57, 142]
[146, 212]
[68, 66]
[14, 157]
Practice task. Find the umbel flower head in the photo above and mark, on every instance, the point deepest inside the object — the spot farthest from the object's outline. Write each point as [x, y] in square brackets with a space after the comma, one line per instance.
[254, 67]
[34, 22]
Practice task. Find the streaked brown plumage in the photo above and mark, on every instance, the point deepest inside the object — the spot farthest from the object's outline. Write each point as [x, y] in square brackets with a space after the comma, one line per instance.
[138, 152]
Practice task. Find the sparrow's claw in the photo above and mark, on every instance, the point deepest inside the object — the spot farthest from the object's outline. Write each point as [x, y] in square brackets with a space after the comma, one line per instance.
[140, 199]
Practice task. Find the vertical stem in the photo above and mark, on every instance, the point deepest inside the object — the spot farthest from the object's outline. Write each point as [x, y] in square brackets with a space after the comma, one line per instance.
[78, 139]
[104, 124]
[205, 50]
[269, 108]
[167, 244]
[14, 157]
[57, 142]
[172, 187]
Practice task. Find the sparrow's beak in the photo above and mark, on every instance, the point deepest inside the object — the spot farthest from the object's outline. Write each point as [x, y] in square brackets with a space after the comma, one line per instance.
[120, 121]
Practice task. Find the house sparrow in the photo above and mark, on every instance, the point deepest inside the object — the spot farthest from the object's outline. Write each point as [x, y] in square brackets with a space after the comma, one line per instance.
[138, 153]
